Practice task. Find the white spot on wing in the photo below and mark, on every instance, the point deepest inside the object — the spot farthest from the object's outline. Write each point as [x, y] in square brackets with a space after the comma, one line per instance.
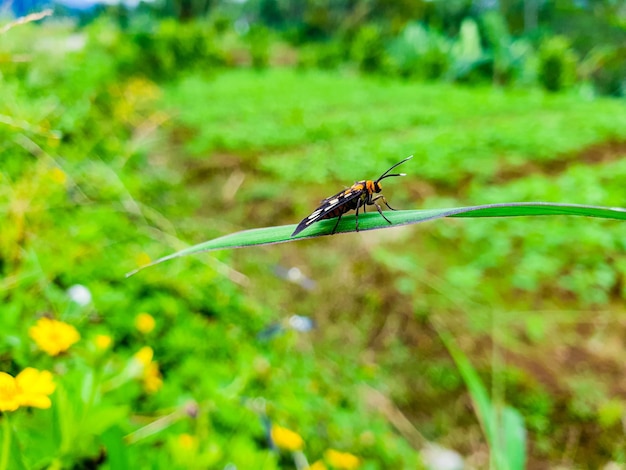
[331, 204]
[311, 218]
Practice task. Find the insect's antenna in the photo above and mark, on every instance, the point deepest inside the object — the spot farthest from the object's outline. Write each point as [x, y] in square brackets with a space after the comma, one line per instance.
[385, 175]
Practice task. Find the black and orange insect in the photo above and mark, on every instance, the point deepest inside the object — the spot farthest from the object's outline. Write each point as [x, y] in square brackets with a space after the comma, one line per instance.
[360, 194]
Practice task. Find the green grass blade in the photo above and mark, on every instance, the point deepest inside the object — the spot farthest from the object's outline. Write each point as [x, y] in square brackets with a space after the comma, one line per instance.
[503, 425]
[373, 221]
[514, 438]
[478, 392]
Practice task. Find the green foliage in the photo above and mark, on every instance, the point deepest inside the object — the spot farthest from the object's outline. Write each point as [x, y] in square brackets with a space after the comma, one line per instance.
[160, 50]
[557, 64]
[259, 40]
[605, 66]
[419, 52]
[325, 55]
[510, 56]
[465, 41]
[468, 55]
[368, 48]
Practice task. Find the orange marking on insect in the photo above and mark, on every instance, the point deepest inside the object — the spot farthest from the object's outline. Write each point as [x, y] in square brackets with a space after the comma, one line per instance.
[369, 184]
[354, 188]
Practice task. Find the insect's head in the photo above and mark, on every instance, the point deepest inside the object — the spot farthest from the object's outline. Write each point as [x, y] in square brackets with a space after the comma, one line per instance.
[377, 186]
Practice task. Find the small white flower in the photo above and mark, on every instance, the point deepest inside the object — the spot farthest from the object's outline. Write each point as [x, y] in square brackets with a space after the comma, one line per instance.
[294, 275]
[300, 323]
[436, 457]
[79, 294]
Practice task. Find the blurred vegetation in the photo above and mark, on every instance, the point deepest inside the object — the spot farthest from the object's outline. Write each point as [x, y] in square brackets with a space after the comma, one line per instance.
[556, 45]
[127, 138]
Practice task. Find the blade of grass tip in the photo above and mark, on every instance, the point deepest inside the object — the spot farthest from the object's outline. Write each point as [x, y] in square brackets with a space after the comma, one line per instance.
[373, 221]
[253, 237]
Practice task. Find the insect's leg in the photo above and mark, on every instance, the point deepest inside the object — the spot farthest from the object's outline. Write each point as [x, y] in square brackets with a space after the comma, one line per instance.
[356, 216]
[336, 225]
[380, 211]
[384, 200]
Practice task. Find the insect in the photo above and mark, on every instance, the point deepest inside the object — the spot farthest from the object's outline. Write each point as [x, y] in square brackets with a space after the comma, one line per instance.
[360, 194]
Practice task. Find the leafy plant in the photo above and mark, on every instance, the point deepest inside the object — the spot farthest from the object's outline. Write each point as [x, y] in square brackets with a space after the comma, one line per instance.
[557, 64]
[468, 56]
[510, 56]
[367, 49]
[419, 52]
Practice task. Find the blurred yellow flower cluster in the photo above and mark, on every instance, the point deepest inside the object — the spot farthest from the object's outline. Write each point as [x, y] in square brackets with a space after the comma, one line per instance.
[31, 387]
[53, 336]
[286, 439]
[151, 377]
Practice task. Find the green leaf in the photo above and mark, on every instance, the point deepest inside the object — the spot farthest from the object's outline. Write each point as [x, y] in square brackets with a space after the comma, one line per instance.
[116, 448]
[373, 221]
[10, 451]
[101, 419]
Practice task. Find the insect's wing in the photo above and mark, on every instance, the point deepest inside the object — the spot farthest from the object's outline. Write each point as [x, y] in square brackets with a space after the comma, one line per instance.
[328, 205]
[334, 196]
[316, 215]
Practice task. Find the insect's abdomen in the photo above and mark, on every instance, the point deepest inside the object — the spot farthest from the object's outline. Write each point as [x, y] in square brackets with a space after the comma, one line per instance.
[339, 210]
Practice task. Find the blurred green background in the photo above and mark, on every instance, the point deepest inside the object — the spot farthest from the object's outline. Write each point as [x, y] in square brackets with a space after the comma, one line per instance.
[129, 133]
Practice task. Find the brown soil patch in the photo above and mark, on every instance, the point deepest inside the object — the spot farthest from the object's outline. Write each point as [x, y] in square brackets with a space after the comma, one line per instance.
[593, 155]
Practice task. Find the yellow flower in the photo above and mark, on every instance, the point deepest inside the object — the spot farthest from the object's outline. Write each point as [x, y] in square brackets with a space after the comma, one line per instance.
[103, 342]
[152, 380]
[286, 439]
[188, 442]
[53, 336]
[31, 387]
[143, 259]
[9, 393]
[144, 355]
[34, 387]
[145, 323]
[319, 465]
[151, 376]
[341, 460]
[58, 176]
